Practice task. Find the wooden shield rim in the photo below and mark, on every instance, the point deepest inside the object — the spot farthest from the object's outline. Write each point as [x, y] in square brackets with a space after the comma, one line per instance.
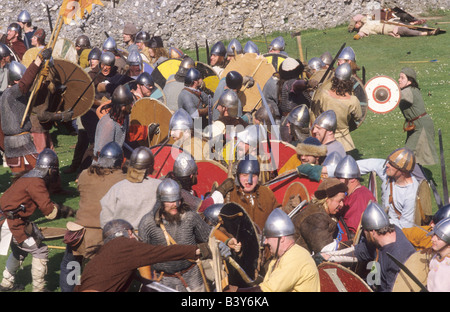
[337, 265]
[30, 55]
[53, 232]
[303, 196]
[402, 279]
[369, 93]
[90, 90]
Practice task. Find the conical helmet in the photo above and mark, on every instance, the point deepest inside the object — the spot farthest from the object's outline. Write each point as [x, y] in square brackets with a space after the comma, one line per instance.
[332, 159]
[347, 169]
[278, 224]
[181, 120]
[402, 159]
[184, 165]
[327, 120]
[374, 217]
[234, 47]
[343, 72]
[251, 47]
[168, 191]
[347, 53]
[442, 230]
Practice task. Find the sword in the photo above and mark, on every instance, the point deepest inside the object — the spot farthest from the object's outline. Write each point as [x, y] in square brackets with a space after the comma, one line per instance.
[408, 272]
[296, 209]
[208, 61]
[276, 132]
[444, 174]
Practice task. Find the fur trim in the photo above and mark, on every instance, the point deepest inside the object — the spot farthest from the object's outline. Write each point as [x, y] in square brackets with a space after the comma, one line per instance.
[311, 150]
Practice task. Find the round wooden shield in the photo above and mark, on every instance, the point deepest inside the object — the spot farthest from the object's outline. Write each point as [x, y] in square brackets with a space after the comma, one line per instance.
[296, 188]
[336, 278]
[255, 66]
[164, 70]
[209, 171]
[281, 152]
[418, 263]
[147, 111]
[275, 59]
[30, 55]
[53, 232]
[424, 205]
[280, 187]
[383, 94]
[238, 223]
[79, 92]
[65, 49]
[165, 156]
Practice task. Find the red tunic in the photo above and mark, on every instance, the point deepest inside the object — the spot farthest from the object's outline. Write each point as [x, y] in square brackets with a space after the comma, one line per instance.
[354, 206]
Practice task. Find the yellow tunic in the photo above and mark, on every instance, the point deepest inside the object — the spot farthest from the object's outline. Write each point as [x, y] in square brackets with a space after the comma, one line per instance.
[295, 271]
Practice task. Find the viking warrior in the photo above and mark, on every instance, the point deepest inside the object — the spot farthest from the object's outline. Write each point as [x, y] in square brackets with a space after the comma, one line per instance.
[131, 198]
[365, 26]
[251, 47]
[348, 55]
[278, 45]
[324, 129]
[85, 233]
[110, 271]
[175, 83]
[292, 269]
[157, 52]
[142, 40]
[93, 59]
[418, 124]
[295, 127]
[5, 59]
[233, 49]
[316, 225]
[171, 222]
[26, 195]
[83, 47]
[437, 280]
[24, 20]
[145, 86]
[358, 196]
[258, 200]
[341, 100]
[38, 39]
[129, 36]
[217, 58]
[380, 238]
[20, 150]
[135, 64]
[315, 71]
[192, 99]
[13, 39]
[110, 45]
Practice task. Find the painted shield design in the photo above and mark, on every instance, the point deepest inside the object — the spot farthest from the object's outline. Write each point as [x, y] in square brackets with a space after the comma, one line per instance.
[65, 49]
[238, 223]
[275, 59]
[336, 278]
[281, 152]
[209, 172]
[164, 70]
[383, 94]
[255, 66]
[165, 156]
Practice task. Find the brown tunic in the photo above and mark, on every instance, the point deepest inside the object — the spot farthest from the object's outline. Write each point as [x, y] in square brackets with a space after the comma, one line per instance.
[113, 267]
[258, 204]
[33, 194]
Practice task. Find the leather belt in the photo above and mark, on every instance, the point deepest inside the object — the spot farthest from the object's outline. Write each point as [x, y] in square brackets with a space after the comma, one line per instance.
[418, 117]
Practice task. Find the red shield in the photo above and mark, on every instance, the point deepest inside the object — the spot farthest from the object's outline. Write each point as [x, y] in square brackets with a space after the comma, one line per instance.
[280, 185]
[279, 150]
[209, 172]
[336, 278]
[165, 156]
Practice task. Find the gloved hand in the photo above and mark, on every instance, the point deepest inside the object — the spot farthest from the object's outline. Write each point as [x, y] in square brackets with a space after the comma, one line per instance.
[66, 115]
[226, 186]
[248, 81]
[205, 252]
[224, 250]
[311, 171]
[318, 259]
[152, 130]
[45, 54]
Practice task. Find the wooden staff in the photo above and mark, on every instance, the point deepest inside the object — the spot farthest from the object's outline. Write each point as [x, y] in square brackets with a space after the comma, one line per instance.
[40, 78]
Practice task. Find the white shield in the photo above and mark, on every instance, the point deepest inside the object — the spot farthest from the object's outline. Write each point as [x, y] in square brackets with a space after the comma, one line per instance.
[383, 94]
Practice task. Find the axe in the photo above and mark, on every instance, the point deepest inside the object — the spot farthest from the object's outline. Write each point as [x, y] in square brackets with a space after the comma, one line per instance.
[298, 36]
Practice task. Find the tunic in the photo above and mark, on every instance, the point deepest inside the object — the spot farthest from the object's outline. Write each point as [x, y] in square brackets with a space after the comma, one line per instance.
[438, 277]
[109, 130]
[354, 206]
[295, 271]
[421, 139]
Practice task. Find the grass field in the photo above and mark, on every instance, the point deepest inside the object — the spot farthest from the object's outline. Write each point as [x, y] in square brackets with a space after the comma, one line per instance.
[376, 137]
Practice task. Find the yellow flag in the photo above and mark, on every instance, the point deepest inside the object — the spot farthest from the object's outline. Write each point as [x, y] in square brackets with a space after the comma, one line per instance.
[70, 9]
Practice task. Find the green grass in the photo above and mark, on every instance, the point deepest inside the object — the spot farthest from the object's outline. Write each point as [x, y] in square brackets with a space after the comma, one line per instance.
[376, 137]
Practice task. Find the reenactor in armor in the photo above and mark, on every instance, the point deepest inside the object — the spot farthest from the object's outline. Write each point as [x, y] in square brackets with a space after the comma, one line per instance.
[110, 45]
[234, 48]
[20, 151]
[5, 59]
[13, 39]
[38, 39]
[144, 86]
[217, 59]
[110, 271]
[129, 35]
[258, 200]
[176, 53]
[83, 47]
[175, 83]
[327, 58]
[24, 20]
[192, 99]
[277, 46]
[324, 129]
[348, 55]
[292, 268]
[251, 47]
[157, 52]
[85, 233]
[341, 100]
[358, 196]
[315, 72]
[93, 59]
[26, 195]
[380, 238]
[437, 280]
[135, 64]
[142, 40]
[295, 127]
[171, 222]
[131, 198]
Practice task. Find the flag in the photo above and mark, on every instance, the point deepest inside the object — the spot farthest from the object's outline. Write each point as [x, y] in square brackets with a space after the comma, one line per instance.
[70, 9]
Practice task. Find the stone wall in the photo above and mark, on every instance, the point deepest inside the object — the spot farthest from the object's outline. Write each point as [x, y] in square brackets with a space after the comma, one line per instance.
[183, 23]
